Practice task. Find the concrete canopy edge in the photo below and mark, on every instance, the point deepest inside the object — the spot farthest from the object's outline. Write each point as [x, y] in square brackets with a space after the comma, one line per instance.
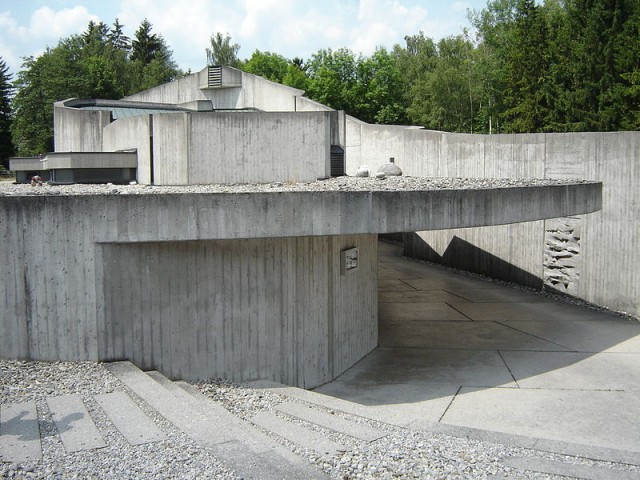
[189, 216]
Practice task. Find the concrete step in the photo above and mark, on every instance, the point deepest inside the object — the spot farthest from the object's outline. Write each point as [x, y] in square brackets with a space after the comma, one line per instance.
[297, 434]
[75, 426]
[129, 419]
[331, 421]
[251, 453]
[332, 403]
[19, 433]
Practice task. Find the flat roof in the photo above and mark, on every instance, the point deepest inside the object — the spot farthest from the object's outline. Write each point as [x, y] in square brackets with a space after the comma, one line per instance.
[340, 206]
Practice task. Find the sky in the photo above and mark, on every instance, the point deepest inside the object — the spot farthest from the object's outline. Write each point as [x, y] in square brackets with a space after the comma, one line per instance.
[293, 28]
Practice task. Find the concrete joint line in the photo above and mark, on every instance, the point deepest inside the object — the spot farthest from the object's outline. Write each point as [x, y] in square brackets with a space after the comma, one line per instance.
[535, 336]
[461, 313]
[450, 403]
[507, 365]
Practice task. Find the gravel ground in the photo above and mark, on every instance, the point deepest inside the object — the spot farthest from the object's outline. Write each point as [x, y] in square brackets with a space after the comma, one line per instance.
[401, 454]
[354, 184]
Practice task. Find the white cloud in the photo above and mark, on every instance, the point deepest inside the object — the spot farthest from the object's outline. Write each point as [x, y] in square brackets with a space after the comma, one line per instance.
[45, 28]
[385, 22]
[185, 26]
[47, 23]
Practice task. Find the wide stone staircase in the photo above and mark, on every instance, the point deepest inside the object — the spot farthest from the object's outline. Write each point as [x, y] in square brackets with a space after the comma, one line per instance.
[252, 449]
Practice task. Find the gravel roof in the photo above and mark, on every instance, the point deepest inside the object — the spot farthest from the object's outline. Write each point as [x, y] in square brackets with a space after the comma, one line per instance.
[349, 184]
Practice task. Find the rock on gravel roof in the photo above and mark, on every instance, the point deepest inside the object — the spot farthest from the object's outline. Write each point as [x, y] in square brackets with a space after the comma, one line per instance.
[354, 184]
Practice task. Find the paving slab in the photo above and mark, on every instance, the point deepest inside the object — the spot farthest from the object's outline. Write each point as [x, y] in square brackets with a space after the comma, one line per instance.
[331, 421]
[452, 367]
[541, 311]
[393, 274]
[19, 433]
[428, 296]
[609, 335]
[497, 294]
[575, 371]
[609, 419]
[354, 401]
[129, 419]
[450, 283]
[251, 453]
[418, 312]
[164, 381]
[459, 335]
[298, 434]
[75, 426]
[565, 469]
[393, 285]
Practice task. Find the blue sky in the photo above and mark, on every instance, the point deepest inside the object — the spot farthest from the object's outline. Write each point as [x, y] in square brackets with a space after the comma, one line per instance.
[293, 28]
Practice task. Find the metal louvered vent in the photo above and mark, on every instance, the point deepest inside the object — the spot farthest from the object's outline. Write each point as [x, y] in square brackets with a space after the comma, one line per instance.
[337, 161]
[214, 77]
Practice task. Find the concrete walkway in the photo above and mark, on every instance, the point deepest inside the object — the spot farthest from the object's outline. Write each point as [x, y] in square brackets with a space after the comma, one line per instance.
[465, 355]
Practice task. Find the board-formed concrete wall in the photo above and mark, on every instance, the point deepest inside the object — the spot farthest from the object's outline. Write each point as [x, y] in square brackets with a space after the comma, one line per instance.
[219, 147]
[239, 309]
[608, 248]
[273, 308]
[244, 90]
[128, 134]
[78, 130]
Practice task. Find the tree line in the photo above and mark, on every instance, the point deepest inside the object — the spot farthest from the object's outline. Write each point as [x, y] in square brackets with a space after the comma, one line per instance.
[560, 66]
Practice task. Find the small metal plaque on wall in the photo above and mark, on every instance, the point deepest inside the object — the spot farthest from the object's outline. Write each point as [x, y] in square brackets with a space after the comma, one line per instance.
[348, 260]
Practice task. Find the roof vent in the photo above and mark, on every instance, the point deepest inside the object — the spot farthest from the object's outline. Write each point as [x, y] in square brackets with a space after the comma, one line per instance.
[214, 78]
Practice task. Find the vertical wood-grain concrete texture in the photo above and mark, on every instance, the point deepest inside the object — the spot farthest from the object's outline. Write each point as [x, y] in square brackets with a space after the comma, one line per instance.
[238, 90]
[609, 243]
[202, 148]
[247, 309]
[254, 275]
[132, 133]
[78, 131]
[273, 308]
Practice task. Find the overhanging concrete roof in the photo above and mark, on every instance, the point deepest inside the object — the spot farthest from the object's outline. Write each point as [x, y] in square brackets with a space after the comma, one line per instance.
[204, 216]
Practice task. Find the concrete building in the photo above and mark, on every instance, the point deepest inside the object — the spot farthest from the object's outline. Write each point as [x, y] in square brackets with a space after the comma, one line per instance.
[274, 281]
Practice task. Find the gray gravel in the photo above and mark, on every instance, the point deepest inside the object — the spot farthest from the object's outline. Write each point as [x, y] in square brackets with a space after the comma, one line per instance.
[331, 184]
[402, 453]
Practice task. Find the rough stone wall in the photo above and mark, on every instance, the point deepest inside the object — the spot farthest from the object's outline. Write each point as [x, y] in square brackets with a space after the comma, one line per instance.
[562, 260]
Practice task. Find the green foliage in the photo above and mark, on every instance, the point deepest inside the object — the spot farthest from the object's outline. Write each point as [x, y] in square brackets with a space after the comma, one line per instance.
[99, 63]
[222, 51]
[6, 91]
[269, 65]
[371, 89]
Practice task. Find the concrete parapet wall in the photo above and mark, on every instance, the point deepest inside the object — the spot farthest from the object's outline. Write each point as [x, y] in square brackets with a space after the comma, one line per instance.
[610, 239]
[201, 148]
[182, 90]
[238, 90]
[78, 130]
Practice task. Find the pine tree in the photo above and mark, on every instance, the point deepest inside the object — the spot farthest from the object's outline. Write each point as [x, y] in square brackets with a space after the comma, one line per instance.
[145, 46]
[6, 90]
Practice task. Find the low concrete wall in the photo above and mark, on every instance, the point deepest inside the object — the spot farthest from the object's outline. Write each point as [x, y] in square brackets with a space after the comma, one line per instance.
[609, 240]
